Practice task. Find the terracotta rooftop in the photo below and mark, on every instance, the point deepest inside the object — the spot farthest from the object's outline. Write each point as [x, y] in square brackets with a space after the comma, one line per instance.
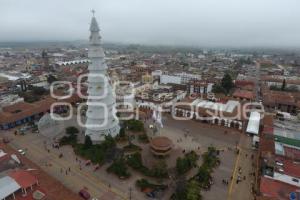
[23, 178]
[161, 143]
[242, 83]
[292, 153]
[268, 121]
[244, 94]
[276, 189]
[290, 167]
[22, 110]
[266, 142]
[273, 97]
[269, 78]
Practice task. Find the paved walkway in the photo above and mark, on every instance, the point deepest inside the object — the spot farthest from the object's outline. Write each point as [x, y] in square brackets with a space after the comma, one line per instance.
[75, 179]
[242, 170]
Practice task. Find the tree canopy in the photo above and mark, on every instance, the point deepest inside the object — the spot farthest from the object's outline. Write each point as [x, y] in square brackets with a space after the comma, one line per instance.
[227, 83]
[225, 86]
[87, 142]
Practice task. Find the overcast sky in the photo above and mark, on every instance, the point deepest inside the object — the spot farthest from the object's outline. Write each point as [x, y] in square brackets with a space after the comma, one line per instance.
[167, 22]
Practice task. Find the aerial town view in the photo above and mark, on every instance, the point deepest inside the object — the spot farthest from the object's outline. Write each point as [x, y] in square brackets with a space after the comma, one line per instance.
[142, 100]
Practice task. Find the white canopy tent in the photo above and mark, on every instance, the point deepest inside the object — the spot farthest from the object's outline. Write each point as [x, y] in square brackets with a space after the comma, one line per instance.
[8, 186]
[253, 123]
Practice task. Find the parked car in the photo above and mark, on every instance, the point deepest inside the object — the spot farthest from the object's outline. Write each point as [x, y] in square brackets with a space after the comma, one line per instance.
[84, 194]
[279, 163]
[22, 152]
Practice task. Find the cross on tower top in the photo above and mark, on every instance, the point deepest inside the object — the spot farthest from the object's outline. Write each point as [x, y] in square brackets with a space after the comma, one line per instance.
[93, 11]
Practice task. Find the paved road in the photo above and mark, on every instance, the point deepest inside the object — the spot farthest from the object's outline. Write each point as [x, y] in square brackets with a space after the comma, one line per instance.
[204, 135]
[75, 180]
[257, 81]
[244, 161]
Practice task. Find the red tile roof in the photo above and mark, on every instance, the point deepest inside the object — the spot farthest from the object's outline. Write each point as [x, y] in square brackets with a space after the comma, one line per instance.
[245, 94]
[292, 153]
[268, 121]
[23, 178]
[266, 142]
[273, 97]
[242, 83]
[276, 189]
[22, 110]
[290, 167]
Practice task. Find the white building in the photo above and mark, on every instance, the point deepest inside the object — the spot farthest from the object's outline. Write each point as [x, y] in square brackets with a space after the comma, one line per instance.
[253, 123]
[180, 78]
[10, 99]
[101, 118]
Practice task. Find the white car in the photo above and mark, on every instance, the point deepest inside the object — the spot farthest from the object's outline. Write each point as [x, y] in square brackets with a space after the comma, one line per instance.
[281, 170]
[279, 163]
[22, 152]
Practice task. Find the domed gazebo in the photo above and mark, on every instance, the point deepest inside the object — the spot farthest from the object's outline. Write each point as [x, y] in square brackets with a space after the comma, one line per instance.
[50, 127]
[161, 146]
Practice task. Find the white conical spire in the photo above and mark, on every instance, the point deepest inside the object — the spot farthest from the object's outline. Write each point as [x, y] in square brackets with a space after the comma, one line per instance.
[94, 25]
[95, 38]
[101, 119]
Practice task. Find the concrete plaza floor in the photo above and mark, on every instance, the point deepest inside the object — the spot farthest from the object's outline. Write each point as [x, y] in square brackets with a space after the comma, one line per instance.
[186, 135]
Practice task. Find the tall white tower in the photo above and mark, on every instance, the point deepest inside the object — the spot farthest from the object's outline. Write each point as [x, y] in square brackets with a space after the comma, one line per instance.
[101, 118]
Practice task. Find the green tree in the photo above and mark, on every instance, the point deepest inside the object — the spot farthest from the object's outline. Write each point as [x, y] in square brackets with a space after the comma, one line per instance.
[274, 87]
[122, 133]
[182, 165]
[71, 136]
[217, 88]
[283, 85]
[204, 176]
[160, 169]
[227, 83]
[119, 168]
[108, 143]
[186, 163]
[87, 142]
[51, 79]
[71, 130]
[193, 191]
[135, 125]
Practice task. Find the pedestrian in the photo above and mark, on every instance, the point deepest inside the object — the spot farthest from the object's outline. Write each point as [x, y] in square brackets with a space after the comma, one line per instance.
[69, 169]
